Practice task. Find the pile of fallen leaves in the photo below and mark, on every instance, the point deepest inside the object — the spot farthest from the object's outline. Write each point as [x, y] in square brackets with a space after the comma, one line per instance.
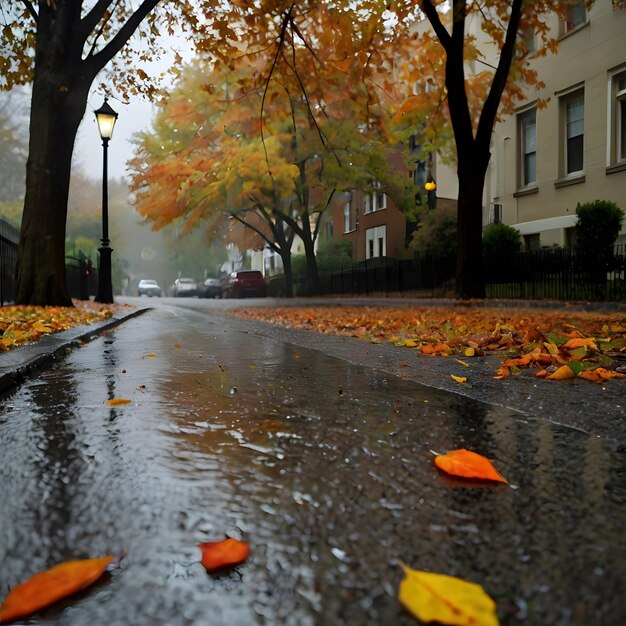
[26, 324]
[558, 344]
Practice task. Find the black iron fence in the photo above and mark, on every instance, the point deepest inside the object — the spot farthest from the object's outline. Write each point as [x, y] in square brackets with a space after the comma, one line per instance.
[82, 276]
[554, 274]
[9, 236]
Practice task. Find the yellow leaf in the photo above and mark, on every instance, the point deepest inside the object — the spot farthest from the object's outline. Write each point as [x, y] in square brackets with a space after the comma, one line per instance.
[563, 373]
[552, 348]
[410, 343]
[446, 599]
[459, 379]
[152, 355]
[469, 352]
[463, 363]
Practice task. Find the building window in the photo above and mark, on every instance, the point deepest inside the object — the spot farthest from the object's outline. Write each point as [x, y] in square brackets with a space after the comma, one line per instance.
[617, 122]
[527, 125]
[573, 111]
[347, 227]
[575, 15]
[376, 200]
[375, 242]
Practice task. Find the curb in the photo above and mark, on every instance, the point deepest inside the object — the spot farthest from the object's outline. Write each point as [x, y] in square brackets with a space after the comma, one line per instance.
[18, 364]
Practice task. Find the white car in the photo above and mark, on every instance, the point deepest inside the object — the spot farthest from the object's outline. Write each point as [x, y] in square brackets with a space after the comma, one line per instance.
[184, 287]
[147, 287]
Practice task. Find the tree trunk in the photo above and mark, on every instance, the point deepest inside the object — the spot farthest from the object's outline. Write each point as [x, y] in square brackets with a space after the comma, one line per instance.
[470, 278]
[313, 284]
[288, 272]
[58, 103]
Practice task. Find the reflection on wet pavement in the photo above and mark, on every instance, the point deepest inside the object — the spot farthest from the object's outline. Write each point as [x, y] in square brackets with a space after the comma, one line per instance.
[323, 467]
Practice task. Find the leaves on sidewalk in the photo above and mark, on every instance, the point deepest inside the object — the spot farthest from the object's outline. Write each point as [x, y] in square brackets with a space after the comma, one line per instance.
[219, 555]
[525, 338]
[24, 324]
[50, 586]
[445, 599]
[467, 464]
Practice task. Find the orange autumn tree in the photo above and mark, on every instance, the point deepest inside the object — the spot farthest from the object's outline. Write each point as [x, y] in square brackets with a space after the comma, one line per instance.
[274, 145]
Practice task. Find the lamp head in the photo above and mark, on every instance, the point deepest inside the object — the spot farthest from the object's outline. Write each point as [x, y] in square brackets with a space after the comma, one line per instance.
[106, 118]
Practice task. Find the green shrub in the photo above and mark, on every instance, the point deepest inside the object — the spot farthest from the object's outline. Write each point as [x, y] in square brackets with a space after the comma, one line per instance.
[333, 254]
[500, 240]
[597, 229]
[436, 232]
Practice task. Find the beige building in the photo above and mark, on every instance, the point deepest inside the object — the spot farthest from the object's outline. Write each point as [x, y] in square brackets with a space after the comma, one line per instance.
[546, 160]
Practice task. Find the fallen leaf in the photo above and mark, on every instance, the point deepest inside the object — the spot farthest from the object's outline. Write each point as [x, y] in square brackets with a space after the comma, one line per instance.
[118, 401]
[463, 363]
[217, 555]
[445, 599]
[459, 379]
[600, 375]
[563, 373]
[46, 588]
[468, 464]
[152, 355]
[469, 351]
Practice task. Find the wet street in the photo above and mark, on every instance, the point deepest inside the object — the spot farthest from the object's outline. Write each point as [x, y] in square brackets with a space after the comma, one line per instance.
[322, 466]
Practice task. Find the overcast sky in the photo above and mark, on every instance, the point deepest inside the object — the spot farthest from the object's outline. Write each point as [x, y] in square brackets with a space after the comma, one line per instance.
[133, 117]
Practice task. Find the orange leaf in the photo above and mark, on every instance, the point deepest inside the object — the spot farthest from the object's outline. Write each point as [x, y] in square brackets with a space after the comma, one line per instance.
[217, 555]
[47, 587]
[118, 401]
[459, 379]
[468, 464]
[600, 375]
[564, 372]
[588, 342]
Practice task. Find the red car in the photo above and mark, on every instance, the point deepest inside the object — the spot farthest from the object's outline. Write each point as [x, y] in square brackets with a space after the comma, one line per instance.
[244, 283]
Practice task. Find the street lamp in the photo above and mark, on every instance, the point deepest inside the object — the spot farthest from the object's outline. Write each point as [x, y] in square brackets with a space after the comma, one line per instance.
[430, 187]
[106, 118]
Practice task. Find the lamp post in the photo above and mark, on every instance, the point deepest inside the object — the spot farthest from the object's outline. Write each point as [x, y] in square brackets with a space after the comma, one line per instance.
[106, 118]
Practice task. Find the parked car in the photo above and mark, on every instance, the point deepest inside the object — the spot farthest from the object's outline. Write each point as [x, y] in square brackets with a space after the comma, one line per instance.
[244, 283]
[211, 288]
[147, 287]
[184, 287]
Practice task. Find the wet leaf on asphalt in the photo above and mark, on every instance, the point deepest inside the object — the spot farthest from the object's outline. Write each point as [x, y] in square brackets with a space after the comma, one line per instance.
[459, 379]
[218, 555]
[467, 464]
[118, 401]
[445, 599]
[47, 587]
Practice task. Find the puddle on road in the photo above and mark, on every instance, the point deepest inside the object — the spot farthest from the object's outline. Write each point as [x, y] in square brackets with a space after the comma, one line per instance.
[323, 467]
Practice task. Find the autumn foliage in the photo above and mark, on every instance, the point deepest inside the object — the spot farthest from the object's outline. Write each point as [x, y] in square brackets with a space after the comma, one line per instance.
[25, 324]
[556, 346]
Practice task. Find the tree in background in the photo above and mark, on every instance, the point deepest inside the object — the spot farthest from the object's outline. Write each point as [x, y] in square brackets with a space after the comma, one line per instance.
[270, 153]
[472, 100]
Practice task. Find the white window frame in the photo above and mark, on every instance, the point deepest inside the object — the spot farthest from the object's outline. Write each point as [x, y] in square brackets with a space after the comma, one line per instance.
[616, 116]
[569, 128]
[375, 201]
[376, 242]
[527, 146]
[347, 226]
